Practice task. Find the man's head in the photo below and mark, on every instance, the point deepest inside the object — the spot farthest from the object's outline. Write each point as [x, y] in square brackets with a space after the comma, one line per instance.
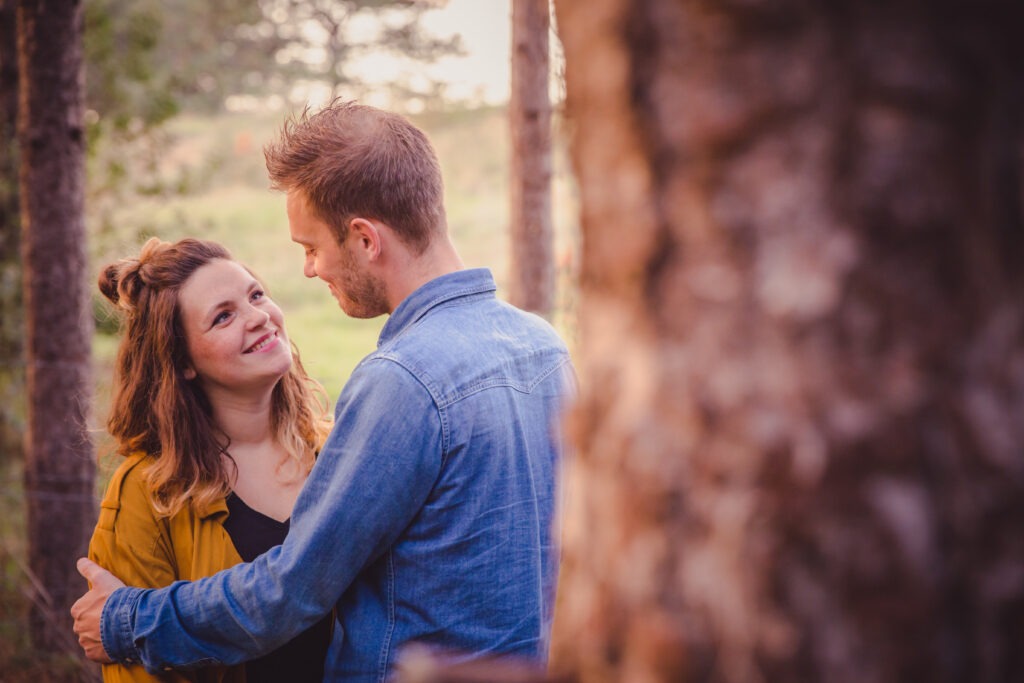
[352, 161]
[343, 265]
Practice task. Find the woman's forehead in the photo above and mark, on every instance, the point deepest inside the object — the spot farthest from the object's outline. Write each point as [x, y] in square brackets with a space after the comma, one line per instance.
[220, 279]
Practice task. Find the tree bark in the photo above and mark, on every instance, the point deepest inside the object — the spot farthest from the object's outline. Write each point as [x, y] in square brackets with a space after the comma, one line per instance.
[799, 437]
[59, 468]
[532, 281]
[12, 363]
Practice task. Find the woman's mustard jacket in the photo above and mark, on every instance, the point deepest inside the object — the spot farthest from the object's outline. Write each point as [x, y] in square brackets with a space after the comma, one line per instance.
[148, 551]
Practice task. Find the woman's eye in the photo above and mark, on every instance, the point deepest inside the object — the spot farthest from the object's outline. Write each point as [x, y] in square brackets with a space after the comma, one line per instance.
[257, 294]
[221, 317]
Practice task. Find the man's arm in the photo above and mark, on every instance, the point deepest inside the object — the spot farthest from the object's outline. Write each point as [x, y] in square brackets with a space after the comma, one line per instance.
[373, 475]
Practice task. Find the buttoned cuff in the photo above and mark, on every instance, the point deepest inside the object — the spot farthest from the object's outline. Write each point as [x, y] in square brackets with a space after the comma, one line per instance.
[116, 625]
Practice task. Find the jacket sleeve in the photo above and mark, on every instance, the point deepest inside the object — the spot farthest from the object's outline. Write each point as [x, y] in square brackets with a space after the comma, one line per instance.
[130, 541]
[372, 477]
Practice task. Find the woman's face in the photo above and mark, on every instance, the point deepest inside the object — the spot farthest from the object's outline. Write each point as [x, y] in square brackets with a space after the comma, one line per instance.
[234, 331]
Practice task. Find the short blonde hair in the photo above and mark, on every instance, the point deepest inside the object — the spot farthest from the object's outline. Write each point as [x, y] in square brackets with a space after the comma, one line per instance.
[351, 160]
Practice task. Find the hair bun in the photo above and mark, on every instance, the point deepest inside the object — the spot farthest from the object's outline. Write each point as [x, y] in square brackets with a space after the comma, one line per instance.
[122, 282]
[109, 278]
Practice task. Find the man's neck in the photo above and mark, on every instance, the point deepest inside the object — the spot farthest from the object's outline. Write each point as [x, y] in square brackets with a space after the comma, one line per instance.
[412, 272]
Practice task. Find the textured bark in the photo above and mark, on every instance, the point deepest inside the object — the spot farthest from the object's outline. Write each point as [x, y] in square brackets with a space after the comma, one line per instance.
[802, 342]
[59, 466]
[12, 364]
[532, 282]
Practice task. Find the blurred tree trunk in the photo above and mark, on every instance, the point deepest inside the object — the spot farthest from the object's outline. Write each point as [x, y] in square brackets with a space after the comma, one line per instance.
[532, 281]
[801, 429]
[59, 467]
[12, 365]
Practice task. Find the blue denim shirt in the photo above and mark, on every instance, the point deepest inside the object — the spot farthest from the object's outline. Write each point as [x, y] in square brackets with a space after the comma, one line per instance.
[427, 517]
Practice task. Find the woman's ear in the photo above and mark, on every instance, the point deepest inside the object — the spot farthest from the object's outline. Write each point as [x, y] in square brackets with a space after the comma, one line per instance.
[190, 373]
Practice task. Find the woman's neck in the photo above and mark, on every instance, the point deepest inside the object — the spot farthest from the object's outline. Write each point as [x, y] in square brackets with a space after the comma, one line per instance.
[264, 475]
[243, 417]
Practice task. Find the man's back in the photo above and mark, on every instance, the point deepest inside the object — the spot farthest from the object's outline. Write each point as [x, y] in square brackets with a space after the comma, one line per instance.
[474, 569]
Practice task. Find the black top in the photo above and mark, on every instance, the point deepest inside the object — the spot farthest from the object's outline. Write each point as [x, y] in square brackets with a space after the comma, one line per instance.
[302, 658]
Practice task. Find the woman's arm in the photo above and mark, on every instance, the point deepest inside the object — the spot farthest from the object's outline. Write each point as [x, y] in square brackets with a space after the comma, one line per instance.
[129, 538]
[132, 541]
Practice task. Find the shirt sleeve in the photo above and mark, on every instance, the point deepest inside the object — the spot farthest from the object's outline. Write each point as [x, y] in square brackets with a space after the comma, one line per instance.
[372, 477]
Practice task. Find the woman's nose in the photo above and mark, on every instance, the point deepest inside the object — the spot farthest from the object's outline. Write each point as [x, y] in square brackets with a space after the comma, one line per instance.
[257, 317]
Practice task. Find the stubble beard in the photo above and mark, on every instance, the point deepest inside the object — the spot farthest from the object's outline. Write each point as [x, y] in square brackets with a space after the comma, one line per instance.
[362, 296]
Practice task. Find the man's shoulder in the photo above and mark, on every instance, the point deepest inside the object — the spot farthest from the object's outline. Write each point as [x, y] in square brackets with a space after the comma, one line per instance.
[454, 348]
[480, 329]
[472, 321]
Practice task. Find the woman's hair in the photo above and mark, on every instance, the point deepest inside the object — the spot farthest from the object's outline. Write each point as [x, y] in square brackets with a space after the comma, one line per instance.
[156, 410]
[351, 160]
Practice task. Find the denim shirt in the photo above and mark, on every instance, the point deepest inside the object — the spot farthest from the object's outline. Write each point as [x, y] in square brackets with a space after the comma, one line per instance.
[427, 517]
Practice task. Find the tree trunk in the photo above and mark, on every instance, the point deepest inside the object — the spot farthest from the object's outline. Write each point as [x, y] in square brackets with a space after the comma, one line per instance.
[532, 281]
[12, 362]
[802, 342]
[59, 466]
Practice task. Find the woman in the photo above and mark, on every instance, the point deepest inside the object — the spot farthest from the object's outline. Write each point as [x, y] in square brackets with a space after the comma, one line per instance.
[219, 426]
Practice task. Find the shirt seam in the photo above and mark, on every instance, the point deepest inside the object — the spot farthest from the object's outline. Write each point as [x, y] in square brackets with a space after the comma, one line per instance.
[385, 653]
[522, 387]
[442, 404]
[442, 413]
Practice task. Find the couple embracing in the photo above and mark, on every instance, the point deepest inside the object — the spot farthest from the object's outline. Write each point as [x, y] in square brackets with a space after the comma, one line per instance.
[257, 538]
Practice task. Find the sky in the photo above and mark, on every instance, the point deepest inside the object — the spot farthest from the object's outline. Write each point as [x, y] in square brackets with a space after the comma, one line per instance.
[485, 27]
[481, 75]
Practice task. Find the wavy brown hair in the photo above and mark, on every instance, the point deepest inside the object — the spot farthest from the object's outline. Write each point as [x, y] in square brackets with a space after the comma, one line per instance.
[351, 160]
[157, 411]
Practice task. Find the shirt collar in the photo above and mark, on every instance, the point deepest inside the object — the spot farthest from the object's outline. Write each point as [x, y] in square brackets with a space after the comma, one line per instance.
[440, 290]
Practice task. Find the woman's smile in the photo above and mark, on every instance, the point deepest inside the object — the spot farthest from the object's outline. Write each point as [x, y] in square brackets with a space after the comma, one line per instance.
[264, 343]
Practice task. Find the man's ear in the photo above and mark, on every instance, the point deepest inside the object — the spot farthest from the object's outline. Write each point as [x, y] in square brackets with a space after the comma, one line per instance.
[366, 238]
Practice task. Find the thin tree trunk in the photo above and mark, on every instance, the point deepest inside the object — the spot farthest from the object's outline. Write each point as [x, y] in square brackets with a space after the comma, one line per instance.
[12, 363]
[532, 282]
[59, 467]
[802, 342]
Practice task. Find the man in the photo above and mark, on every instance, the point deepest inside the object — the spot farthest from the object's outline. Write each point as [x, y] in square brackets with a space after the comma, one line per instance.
[428, 515]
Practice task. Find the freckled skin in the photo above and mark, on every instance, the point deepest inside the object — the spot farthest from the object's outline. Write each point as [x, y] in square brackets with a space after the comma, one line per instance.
[225, 312]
